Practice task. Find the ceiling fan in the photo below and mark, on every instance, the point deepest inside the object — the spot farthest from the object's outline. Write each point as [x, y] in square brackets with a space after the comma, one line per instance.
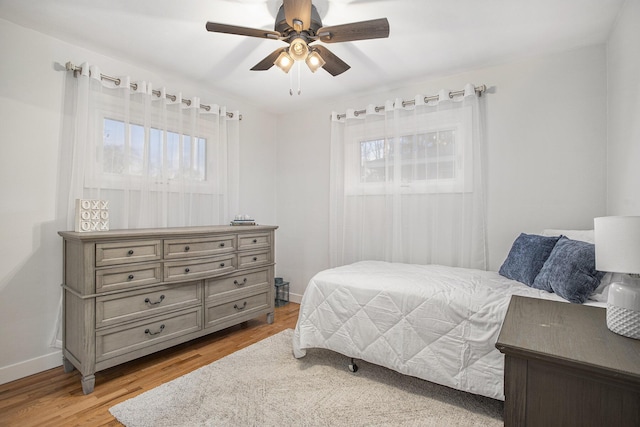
[298, 23]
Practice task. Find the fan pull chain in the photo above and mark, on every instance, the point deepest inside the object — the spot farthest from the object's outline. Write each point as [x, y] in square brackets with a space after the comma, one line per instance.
[291, 80]
[290, 84]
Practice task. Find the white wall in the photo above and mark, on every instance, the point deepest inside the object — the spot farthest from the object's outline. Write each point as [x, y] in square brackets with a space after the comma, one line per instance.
[546, 147]
[623, 79]
[302, 243]
[31, 89]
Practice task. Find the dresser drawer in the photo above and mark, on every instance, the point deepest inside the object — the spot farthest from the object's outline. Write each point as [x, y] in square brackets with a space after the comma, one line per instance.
[258, 240]
[112, 342]
[208, 246]
[254, 259]
[224, 312]
[128, 306]
[199, 268]
[116, 278]
[128, 252]
[215, 288]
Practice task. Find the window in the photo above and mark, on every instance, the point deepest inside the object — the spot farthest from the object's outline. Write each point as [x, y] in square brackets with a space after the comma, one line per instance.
[130, 151]
[423, 158]
[431, 159]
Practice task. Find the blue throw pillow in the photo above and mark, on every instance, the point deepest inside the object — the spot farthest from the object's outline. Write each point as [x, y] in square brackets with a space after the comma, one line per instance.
[527, 256]
[570, 271]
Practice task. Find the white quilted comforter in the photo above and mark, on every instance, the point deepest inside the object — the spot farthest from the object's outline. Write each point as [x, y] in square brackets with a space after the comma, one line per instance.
[432, 322]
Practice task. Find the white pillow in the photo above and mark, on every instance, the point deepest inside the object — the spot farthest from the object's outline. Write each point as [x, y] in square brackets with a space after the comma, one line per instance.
[582, 235]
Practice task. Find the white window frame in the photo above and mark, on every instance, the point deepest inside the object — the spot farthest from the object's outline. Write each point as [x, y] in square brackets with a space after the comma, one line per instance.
[209, 185]
[459, 120]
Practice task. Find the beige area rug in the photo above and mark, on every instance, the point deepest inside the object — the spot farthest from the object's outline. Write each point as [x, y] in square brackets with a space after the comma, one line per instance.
[264, 385]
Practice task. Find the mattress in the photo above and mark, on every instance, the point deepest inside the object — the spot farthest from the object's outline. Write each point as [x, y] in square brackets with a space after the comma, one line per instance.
[433, 322]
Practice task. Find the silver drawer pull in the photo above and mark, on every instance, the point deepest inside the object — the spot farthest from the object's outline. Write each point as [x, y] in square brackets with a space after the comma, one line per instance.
[244, 282]
[240, 308]
[148, 332]
[130, 252]
[130, 277]
[186, 270]
[148, 301]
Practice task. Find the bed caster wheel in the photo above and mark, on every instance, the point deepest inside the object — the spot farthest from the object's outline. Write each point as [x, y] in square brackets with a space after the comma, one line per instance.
[352, 366]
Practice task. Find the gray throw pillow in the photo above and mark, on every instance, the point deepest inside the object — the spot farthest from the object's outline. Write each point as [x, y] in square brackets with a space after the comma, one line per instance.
[570, 271]
[527, 256]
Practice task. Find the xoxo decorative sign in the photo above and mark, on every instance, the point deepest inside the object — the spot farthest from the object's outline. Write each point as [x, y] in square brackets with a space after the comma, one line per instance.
[92, 215]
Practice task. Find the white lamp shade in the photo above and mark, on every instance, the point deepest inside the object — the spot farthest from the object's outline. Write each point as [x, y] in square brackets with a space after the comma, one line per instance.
[617, 244]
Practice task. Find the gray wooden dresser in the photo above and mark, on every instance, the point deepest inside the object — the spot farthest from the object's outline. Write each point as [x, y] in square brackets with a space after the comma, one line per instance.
[563, 367]
[129, 293]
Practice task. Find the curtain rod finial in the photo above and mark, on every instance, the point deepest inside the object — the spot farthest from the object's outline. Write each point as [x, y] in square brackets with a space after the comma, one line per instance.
[70, 67]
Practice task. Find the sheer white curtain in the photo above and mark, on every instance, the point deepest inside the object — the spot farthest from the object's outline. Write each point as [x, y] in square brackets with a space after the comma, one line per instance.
[407, 182]
[159, 161]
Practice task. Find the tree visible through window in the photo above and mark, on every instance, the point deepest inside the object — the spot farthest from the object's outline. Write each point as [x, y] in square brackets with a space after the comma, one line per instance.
[417, 158]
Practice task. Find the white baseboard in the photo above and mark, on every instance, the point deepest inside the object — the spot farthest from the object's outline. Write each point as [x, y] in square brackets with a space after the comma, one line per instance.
[30, 367]
[295, 298]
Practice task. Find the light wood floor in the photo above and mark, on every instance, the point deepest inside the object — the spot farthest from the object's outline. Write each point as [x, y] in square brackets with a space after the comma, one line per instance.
[53, 398]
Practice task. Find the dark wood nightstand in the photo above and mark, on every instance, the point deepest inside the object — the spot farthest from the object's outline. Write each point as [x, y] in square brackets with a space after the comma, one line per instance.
[563, 367]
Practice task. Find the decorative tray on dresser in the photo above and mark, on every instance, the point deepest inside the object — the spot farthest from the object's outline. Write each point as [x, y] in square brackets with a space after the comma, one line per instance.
[129, 293]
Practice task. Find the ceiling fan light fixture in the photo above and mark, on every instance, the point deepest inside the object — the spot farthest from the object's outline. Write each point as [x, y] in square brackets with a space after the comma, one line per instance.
[314, 61]
[284, 61]
[298, 23]
[298, 50]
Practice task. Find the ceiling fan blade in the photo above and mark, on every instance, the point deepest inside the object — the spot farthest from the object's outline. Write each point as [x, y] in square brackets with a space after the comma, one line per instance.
[298, 10]
[267, 62]
[364, 30]
[333, 65]
[242, 31]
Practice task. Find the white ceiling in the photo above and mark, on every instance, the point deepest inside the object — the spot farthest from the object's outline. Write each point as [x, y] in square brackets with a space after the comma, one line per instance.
[428, 38]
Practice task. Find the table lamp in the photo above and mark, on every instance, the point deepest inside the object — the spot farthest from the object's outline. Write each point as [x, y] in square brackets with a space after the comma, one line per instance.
[617, 244]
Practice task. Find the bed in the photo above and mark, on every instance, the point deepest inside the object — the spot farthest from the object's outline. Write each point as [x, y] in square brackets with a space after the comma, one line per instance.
[433, 322]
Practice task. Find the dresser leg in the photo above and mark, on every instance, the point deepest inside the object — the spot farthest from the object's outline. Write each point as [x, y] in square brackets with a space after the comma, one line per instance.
[88, 382]
[68, 366]
[269, 318]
